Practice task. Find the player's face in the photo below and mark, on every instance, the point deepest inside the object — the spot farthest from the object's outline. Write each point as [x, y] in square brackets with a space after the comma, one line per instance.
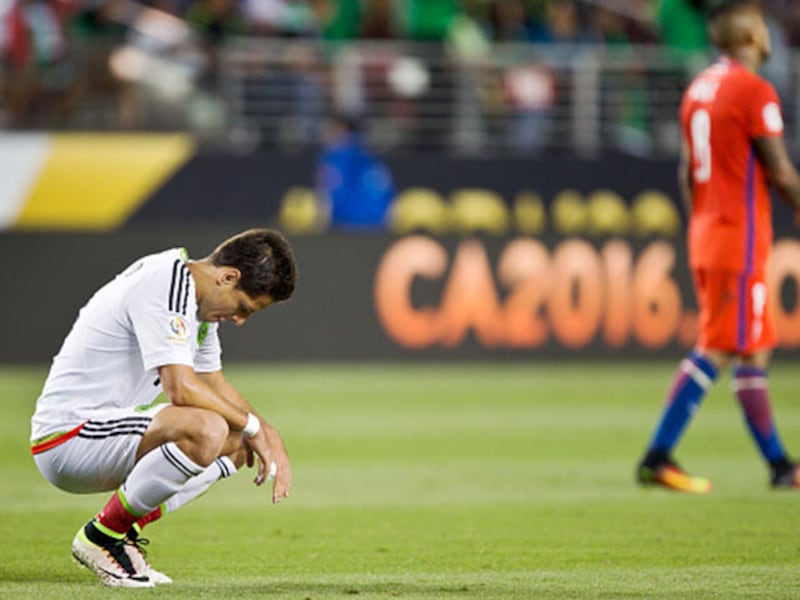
[227, 303]
[762, 38]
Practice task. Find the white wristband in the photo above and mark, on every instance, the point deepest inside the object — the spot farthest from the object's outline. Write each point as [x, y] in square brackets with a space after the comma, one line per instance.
[253, 425]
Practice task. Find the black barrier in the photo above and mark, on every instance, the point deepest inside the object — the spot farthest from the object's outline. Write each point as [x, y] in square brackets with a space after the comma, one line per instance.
[225, 188]
[380, 297]
[250, 189]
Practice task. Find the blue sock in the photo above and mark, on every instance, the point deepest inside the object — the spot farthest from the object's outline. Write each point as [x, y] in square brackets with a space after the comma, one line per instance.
[694, 377]
[750, 385]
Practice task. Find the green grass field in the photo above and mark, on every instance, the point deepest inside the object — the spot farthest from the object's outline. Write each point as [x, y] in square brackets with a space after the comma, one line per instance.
[464, 481]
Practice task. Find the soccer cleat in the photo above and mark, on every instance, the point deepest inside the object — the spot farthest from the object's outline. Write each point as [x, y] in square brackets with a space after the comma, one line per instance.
[106, 558]
[784, 474]
[134, 546]
[669, 475]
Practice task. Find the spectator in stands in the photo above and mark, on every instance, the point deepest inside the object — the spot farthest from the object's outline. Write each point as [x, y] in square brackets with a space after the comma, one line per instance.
[378, 20]
[509, 22]
[215, 20]
[681, 26]
[625, 96]
[610, 27]
[428, 20]
[340, 19]
[295, 81]
[171, 7]
[283, 18]
[530, 92]
[528, 86]
[97, 32]
[37, 51]
[561, 23]
[356, 188]
[531, 89]
[307, 88]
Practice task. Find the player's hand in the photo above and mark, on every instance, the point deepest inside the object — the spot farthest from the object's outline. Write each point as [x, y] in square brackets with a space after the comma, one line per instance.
[259, 448]
[283, 471]
[272, 461]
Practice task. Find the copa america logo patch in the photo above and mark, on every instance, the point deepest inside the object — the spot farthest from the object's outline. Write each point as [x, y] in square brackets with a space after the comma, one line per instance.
[178, 329]
[772, 117]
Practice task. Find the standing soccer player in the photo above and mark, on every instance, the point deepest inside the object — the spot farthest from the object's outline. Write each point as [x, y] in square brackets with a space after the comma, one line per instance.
[154, 327]
[733, 149]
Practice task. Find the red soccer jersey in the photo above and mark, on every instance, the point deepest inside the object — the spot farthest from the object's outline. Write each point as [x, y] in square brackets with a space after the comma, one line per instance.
[724, 109]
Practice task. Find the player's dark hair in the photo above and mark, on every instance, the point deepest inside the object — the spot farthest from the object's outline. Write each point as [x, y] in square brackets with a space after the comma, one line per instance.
[265, 260]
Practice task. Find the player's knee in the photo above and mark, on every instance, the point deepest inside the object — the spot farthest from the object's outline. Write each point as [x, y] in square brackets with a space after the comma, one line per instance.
[210, 431]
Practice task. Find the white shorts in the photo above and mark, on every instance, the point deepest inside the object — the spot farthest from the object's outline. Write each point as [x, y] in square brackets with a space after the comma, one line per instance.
[101, 454]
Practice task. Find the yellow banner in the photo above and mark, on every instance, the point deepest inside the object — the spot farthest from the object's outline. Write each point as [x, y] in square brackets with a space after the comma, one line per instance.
[94, 182]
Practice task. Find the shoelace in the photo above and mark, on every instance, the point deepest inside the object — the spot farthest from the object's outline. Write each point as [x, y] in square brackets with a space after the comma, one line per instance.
[137, 543]
[116, 551]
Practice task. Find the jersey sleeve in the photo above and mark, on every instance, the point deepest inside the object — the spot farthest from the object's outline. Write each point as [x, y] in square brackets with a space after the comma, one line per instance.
[209, 351]
[163, 335]
[763, 107]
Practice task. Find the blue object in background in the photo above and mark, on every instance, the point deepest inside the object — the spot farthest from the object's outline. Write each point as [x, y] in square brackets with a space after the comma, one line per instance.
[357, 186]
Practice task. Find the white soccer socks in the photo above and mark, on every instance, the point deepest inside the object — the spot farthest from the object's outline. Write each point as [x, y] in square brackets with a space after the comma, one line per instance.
[220, 469]
[157, 476]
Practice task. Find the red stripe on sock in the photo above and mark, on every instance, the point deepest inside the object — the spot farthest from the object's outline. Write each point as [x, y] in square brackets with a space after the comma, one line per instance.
[153, 515]
[115, 516]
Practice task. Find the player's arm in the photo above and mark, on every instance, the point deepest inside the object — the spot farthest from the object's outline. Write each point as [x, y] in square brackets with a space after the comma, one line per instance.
[277, 451]
[781, 171]
[685, 177]
[217, 381]
[184, 387]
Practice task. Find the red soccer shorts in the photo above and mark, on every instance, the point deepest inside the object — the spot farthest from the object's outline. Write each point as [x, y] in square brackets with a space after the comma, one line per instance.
[734, 315]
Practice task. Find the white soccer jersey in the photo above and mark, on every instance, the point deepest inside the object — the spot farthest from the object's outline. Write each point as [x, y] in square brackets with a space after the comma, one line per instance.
[143, 319]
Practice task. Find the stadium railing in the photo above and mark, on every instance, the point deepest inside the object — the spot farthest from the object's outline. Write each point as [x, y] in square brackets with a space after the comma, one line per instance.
[507, 98]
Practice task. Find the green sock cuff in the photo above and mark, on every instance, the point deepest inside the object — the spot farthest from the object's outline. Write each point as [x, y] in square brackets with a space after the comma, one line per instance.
[126, 505]
[105, 530]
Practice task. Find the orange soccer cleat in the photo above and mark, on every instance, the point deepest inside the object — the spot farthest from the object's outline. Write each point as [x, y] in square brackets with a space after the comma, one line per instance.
[668, 474]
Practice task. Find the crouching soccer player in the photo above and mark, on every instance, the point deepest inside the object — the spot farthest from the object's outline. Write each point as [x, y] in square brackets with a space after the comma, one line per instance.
[154, 327]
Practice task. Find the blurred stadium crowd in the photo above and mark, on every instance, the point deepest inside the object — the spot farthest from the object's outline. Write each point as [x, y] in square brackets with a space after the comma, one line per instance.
[202, 65]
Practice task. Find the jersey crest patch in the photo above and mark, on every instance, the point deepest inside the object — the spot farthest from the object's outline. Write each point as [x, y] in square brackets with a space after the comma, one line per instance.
[772, 118]
[178, 329]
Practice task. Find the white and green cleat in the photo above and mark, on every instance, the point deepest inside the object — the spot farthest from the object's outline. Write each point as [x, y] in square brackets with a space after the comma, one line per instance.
[107, 558]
